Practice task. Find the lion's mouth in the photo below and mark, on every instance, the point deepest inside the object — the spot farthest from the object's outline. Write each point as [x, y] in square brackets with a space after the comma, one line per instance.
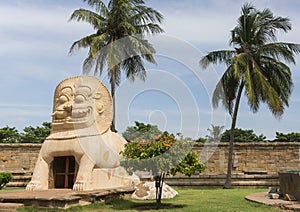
[77, 115]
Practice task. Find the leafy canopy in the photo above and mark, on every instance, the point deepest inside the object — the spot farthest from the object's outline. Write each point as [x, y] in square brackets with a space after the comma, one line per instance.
[256, 63]
[163, 153]
[118, 42]
[29, 135]
[241, 135]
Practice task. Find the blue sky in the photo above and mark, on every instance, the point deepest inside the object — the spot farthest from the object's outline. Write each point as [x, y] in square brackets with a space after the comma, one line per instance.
[36, 36]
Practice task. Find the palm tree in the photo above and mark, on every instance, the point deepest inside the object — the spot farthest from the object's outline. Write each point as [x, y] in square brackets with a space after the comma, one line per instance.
[215, 133]
[254, 67]
[118, 43]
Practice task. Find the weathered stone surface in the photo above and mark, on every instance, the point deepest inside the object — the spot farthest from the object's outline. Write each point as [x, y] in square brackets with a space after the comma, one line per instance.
[81, 119]
[252, 157]
[147, 190]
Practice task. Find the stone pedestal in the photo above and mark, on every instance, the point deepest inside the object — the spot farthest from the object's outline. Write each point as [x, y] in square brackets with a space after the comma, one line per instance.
[290, 184]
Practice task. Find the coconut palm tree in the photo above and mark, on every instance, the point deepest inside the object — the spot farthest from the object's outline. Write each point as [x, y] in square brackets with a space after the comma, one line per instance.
[118, 42]
[255, 66]
[215, 133]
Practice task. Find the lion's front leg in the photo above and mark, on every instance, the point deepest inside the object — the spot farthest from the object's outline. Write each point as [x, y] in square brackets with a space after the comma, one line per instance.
[39, 180]
[84, 172]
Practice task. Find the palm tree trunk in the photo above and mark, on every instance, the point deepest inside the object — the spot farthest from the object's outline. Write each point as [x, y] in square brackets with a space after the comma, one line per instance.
[113, 89]
[231, 140]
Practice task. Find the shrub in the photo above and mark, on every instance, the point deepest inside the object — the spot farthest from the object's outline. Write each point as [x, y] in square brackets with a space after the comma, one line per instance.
[5, 177]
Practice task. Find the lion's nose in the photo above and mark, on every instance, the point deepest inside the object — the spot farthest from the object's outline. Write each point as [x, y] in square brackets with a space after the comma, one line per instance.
[68, 108]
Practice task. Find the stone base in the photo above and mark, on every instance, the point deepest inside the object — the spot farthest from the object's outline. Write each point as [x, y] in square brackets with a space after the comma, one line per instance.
[110, 179]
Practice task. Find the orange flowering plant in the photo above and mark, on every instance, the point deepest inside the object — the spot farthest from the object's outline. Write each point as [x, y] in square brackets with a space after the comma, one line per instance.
[162, 153]
[159, 153]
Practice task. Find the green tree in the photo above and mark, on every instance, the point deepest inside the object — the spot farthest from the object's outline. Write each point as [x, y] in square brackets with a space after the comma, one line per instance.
[141, 130]
[9, 135]
[162, 155]
[36, 134]
[241, 135]
[287, 137]
[119, 42]
[254, 67]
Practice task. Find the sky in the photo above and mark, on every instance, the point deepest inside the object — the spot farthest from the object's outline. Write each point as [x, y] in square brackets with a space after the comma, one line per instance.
[36, 36]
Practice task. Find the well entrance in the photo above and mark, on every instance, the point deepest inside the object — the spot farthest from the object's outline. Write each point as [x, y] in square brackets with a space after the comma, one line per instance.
[64, 172]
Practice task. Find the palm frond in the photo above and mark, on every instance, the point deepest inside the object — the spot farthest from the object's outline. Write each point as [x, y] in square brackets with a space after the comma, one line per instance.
[134, 67]
[226, 89]
[215, 57]
[82, 43]
[280, 50]
[88, 16]
[99, 6]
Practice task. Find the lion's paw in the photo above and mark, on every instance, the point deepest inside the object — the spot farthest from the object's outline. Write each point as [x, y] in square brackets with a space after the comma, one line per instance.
[78, 186]
[32, 186]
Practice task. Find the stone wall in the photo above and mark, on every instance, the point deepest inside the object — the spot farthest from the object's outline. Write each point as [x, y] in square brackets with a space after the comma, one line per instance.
[18, 157]
[251, 158]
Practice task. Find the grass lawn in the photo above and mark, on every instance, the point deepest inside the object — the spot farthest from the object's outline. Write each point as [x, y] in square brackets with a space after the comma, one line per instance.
[10, 189]
[189, 199]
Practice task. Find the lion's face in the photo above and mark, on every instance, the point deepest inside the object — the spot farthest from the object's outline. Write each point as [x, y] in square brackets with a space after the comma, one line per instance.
[79, 103]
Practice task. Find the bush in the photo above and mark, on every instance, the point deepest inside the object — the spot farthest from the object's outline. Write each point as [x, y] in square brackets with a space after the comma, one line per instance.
[5, 177]
[241, 135]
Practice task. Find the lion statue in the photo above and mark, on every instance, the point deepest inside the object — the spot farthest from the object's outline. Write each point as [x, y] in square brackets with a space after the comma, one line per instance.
[81, 120]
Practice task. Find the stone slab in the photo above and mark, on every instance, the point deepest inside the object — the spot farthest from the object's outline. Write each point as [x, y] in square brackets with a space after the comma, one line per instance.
[264, 199]
[9, 207]
[60, 198]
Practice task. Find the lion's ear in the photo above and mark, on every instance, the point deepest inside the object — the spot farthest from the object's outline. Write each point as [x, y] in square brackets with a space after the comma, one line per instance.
[99, 108]
[97, 96]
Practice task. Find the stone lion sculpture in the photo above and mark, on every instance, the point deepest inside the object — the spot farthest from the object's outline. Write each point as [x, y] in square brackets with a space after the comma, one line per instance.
[81, 120]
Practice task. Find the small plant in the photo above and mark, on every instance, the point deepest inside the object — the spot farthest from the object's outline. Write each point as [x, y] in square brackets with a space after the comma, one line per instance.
[5, 177]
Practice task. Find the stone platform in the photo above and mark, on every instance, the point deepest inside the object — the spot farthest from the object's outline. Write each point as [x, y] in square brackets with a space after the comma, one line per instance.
[264, 199]
[58, 198]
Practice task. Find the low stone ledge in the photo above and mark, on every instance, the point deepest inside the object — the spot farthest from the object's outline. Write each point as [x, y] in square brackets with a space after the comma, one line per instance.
[62, 198]
[238, 180]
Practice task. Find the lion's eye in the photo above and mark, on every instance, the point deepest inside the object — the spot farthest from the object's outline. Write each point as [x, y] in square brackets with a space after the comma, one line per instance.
[63, 99]
[79, 98]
